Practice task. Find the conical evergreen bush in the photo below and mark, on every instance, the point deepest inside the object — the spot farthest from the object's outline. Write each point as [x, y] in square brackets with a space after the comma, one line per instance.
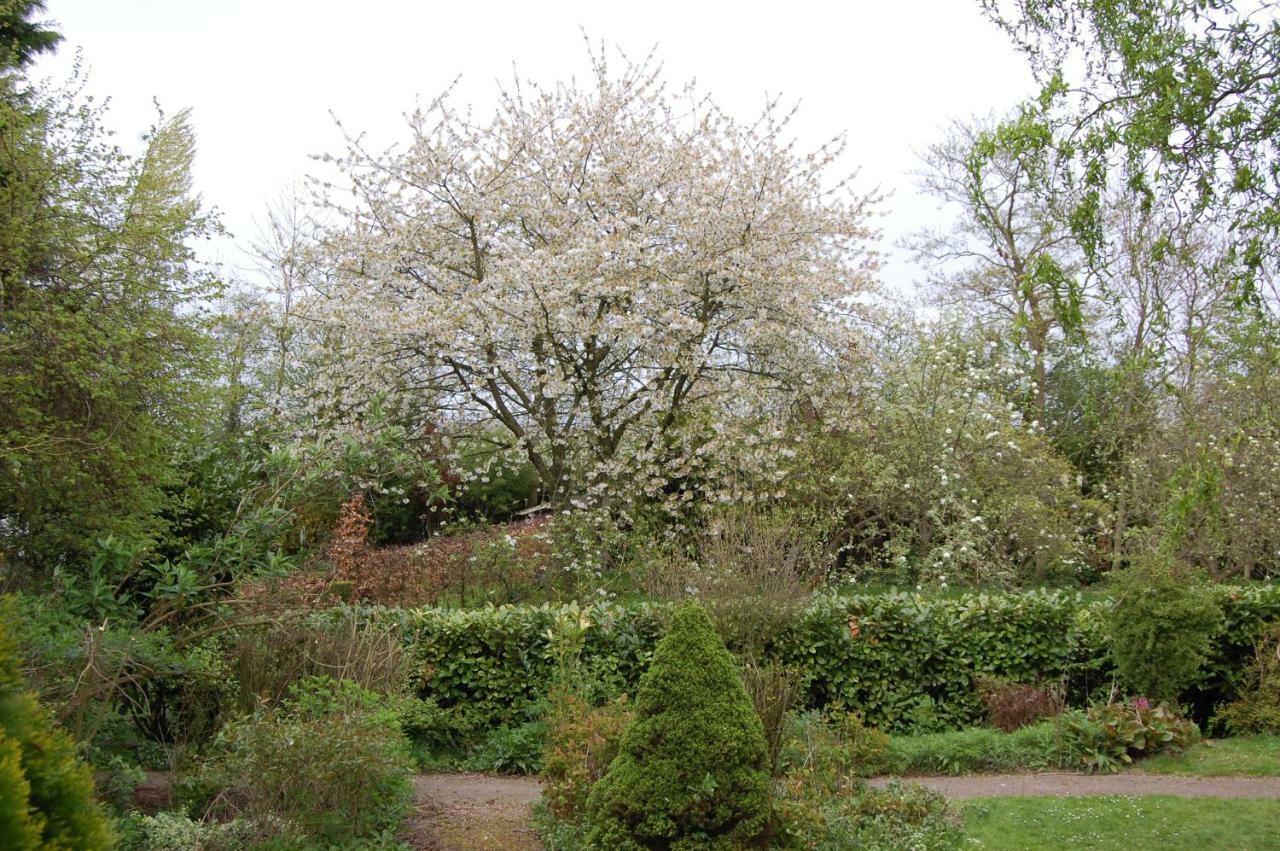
[692, 769]
[46, 792]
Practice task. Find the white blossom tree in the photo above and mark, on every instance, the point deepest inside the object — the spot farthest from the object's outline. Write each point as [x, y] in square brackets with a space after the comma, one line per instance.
[619, 276]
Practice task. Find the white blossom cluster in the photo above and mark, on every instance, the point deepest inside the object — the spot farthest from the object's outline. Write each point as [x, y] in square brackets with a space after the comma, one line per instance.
[632, 286]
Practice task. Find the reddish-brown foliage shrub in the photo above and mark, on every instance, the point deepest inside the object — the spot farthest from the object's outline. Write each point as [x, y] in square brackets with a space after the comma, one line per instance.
[1013, 705]
[581, 742]
[493, 563]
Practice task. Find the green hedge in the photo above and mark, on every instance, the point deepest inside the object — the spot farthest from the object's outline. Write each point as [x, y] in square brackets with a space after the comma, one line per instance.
[882, 655]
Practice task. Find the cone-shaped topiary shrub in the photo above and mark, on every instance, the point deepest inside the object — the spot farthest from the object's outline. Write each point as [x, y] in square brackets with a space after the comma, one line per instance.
[46, 793]
[692, 771]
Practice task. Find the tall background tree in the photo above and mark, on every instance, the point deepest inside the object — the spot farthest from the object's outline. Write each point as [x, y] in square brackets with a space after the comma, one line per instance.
[102, 344]
[612, 275]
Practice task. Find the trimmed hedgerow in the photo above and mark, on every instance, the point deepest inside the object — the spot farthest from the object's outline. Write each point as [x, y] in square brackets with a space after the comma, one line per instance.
[692, 771]
[893, 657]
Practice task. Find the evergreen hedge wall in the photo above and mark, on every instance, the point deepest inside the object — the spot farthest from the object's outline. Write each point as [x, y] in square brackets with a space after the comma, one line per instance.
[901, 659]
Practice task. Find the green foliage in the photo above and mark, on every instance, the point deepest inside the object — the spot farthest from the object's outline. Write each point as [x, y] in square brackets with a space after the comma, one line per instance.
[330, 764]
[978, 749]
[102, 363]
[880, 653]
[692, 771]
[496, 661]
[884, 654]
[1112, 735]
[581, 741]
[22, 39]
[46, 792]
[168, 831]
[903, 815]
[1180, 105]
[1162, 632]
[831, 746]
[938, 479]
[1257, 709]
[511, 750]
[899, 816]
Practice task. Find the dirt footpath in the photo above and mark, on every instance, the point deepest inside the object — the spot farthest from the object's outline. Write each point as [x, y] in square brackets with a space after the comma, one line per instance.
[991, 785]
[472, 812]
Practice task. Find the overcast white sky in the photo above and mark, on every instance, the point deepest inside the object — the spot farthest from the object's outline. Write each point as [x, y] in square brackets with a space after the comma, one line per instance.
[262, 77]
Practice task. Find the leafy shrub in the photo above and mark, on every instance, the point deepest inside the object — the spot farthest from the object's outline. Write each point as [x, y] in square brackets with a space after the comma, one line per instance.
[885, 653]
[1112, 735]
[511, 750]
[1257, 710]
[329, 763]
[832, 744]
[1162, 632]
[343, 643]
[581, 742]
[46, 792]
[1013, 705]
[692, 771]
[978, 749]
[902, 815]
[773, 691]
[812, 816]
[168, 831]
[117, 782]
[866, 747]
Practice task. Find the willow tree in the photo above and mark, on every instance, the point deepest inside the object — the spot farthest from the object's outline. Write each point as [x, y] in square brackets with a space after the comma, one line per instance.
[618, 276]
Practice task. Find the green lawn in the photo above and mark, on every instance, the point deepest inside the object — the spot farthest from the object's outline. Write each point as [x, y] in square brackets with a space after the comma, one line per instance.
[1147, 822]
[1257, 756]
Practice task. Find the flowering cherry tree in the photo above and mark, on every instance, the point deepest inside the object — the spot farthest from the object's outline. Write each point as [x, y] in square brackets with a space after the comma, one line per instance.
[618, 276]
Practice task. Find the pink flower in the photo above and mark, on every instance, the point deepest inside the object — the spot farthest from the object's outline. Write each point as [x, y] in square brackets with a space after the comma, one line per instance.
[1141, 704]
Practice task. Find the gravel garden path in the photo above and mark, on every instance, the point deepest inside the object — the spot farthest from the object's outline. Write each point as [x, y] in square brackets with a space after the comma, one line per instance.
[473, 812]
[481, 812]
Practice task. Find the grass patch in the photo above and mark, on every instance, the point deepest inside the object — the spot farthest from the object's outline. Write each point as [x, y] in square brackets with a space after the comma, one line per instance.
[1239, 756]
[1150, 821]
[977, 750]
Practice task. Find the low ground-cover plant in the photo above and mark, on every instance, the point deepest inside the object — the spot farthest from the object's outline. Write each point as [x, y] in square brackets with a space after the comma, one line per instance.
[692, 770]
[1110, 736]
[510, 750]
[903, 815]
[170, 831]
[330, 764]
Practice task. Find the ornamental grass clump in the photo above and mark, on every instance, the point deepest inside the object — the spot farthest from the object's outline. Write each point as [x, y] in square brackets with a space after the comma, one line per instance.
[693, 769]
